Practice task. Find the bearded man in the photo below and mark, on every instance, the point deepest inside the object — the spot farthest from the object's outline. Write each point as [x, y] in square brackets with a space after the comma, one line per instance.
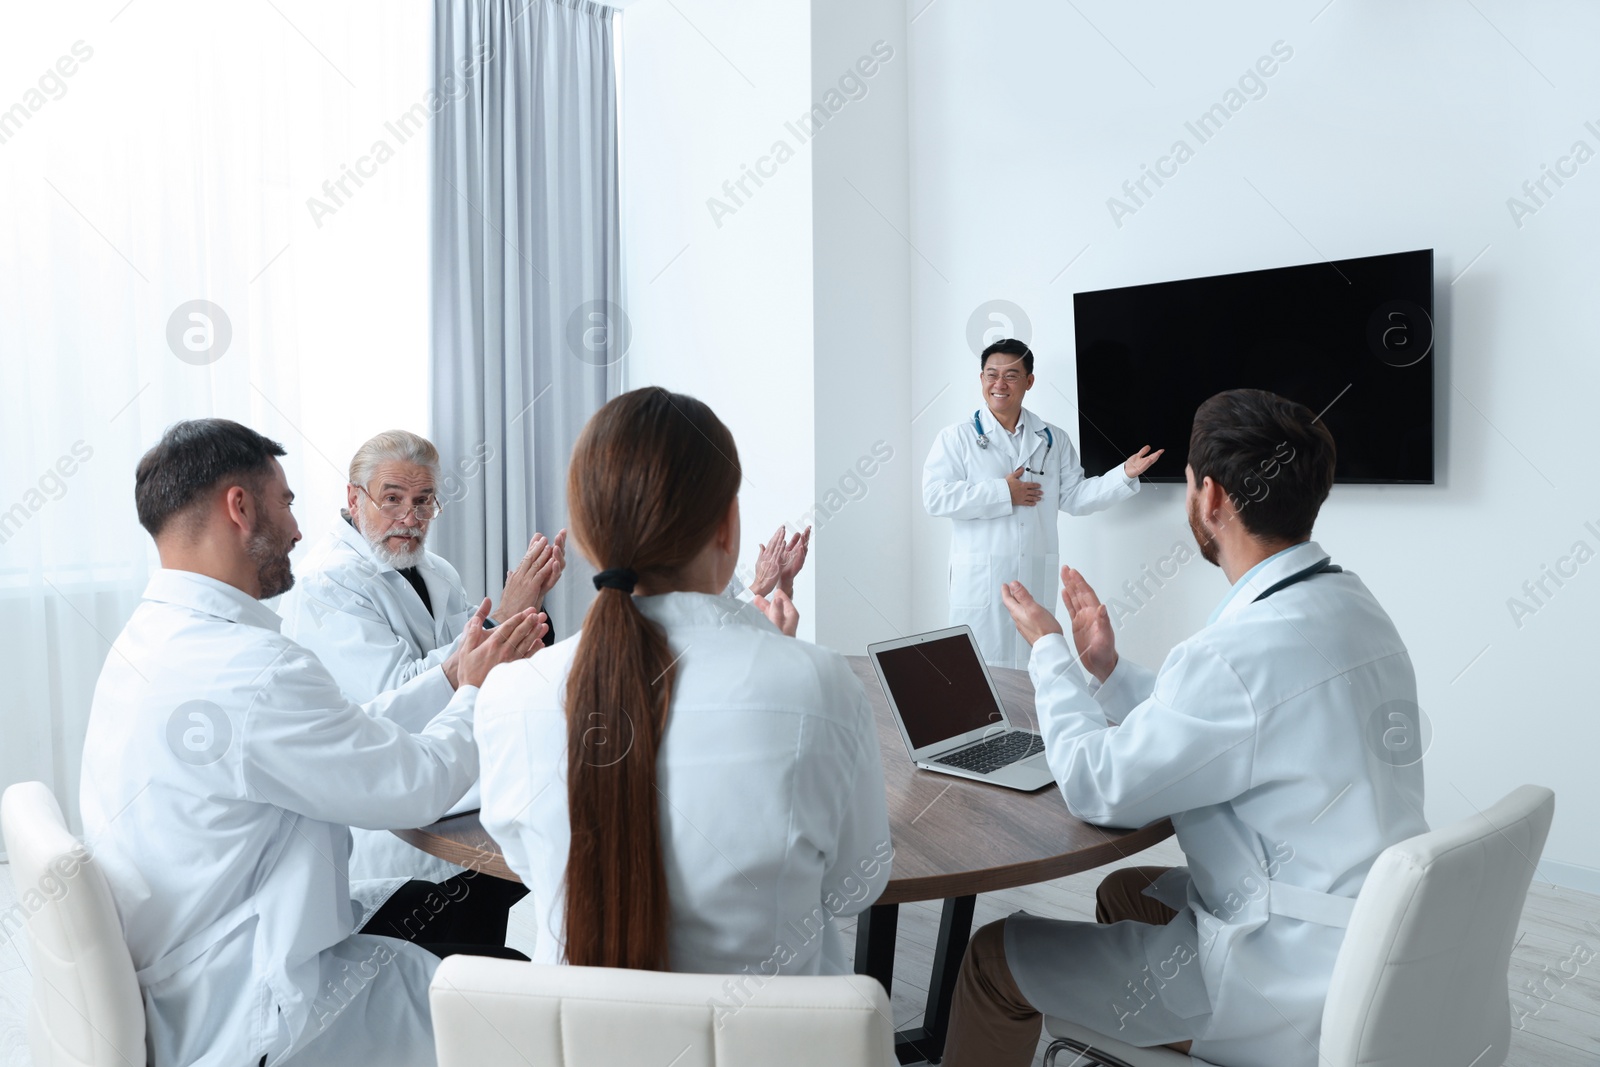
[384, 613]
[222, 769]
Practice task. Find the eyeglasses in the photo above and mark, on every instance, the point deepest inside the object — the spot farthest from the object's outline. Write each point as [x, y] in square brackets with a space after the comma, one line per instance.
[398, 510]
[1011, 377]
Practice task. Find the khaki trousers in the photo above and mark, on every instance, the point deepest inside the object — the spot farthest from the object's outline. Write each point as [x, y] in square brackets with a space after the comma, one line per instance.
[991, 1022]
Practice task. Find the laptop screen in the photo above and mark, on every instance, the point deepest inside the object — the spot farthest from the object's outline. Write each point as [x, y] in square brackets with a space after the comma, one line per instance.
[940, 689]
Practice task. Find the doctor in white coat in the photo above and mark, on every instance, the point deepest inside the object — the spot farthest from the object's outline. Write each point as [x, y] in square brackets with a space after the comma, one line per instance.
[1002, 474]
[682, 784]
[383, 612]
[1281, 740]
[222, 768]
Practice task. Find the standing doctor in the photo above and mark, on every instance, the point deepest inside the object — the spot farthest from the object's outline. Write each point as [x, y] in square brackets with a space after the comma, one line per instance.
[1002, 474]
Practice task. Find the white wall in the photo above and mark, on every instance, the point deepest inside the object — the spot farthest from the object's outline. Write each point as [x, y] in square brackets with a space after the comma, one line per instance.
[782, 298]
[1390, 127]
[723, 312]
[862, 289]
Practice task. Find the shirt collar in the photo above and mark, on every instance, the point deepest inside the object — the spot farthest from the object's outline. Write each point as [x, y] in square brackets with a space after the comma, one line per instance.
[992, 425]
[208, 596]
[702, 609]
[1258, 579]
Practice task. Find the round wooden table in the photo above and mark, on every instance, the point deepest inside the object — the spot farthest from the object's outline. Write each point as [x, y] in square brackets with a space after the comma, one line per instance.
[953, 839]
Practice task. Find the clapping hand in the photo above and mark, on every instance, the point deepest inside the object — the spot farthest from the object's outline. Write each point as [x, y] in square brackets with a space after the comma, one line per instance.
[1091, 625]
[1033, 619]
[528, 582]
[781, 610]
[481, 650]
[778, 561]
[791, 557]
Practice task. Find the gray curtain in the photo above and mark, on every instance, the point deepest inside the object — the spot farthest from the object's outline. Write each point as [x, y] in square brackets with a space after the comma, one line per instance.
[527, 328]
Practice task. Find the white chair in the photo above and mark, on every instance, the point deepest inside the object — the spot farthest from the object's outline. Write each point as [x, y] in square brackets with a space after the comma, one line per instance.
[1421, 980]
[86, 1007]
[506, 1013]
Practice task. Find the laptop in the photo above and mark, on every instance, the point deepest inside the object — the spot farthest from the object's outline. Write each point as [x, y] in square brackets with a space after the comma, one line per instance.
[950, 715]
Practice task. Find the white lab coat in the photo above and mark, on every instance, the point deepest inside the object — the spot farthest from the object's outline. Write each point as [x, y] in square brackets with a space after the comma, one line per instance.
[222, 770]
[772, 805]
[1262, 737]
[993, 542]
[372, 631]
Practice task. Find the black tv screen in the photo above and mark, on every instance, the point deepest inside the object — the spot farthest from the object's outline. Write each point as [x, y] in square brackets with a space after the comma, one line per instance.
[1350, 339]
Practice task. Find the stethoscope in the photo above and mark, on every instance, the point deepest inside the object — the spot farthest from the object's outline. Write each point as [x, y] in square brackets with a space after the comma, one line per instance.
[1049, 441]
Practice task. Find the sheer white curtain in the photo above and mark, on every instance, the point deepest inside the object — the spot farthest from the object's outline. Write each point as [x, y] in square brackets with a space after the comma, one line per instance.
[527, 321]
[266, 158]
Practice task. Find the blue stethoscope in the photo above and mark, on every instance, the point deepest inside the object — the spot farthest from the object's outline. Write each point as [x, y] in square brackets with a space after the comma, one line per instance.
[983, 441]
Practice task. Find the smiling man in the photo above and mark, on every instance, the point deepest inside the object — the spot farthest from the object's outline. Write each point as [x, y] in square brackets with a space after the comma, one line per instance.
[222, 769]
[384, 613]
[1002, 474]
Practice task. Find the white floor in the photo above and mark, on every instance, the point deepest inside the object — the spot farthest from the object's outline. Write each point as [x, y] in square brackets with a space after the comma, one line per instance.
[1560, 928]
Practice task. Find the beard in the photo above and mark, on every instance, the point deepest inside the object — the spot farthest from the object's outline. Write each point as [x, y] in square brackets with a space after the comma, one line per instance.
[1207, 543]
[269, 550]
[410, 552]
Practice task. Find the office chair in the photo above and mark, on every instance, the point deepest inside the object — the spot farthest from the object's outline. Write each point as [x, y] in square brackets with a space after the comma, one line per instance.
[1421, 980]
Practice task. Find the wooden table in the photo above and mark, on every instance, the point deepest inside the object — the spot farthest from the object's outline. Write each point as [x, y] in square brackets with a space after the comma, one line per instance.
[953, 839]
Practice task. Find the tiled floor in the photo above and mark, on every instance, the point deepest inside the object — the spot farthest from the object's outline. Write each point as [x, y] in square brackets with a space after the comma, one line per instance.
[1560, 929]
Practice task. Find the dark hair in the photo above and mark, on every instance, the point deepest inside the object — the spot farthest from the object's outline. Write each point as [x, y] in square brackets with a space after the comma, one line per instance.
[1272, 456]
[1008, 346]
[651, 476]
[191, 458]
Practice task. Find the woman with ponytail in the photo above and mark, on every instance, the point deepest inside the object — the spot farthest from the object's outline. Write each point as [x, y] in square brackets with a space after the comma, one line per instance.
[680, 785]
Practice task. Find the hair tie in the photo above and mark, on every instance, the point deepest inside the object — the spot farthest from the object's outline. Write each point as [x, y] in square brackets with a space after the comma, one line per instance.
[616, 578]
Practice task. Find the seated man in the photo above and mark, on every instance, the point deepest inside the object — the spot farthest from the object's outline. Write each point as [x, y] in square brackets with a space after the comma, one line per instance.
[1257, 737]
[382, 612]
[223, 768]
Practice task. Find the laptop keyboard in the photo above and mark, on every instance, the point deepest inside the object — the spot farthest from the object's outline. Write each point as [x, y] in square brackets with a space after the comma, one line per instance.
[996, 752]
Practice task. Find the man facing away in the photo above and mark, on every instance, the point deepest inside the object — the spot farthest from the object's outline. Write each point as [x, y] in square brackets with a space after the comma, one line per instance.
[1002, 475]
[1256, 737]
[383, 612]
[223, 768]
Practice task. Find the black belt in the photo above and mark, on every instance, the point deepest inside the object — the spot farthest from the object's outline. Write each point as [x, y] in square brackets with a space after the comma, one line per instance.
[1324, 564]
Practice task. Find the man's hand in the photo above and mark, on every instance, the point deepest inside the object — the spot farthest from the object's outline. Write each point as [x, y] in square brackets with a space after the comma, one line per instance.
[781, 610]
[472, 635]
[1033, 619]
[791, 558]
[769, 565]
[1141, 461]
[1023, 494]
[560, 544]
[1091, 625]
[529, 581]
[482, 650]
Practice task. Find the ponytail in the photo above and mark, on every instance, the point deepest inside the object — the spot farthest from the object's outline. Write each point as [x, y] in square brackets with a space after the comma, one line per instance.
[652, 475]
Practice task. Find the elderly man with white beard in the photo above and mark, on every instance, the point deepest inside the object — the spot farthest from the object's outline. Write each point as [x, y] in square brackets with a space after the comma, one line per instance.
[384, 613]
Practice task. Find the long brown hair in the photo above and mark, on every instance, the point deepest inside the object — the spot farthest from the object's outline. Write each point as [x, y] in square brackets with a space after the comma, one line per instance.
[652, 475]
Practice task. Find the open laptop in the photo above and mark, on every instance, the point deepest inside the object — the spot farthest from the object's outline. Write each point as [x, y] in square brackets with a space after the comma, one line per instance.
[949, 713]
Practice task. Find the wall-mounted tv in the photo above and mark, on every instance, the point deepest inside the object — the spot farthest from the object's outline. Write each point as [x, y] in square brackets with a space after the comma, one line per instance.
[1351, 339]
